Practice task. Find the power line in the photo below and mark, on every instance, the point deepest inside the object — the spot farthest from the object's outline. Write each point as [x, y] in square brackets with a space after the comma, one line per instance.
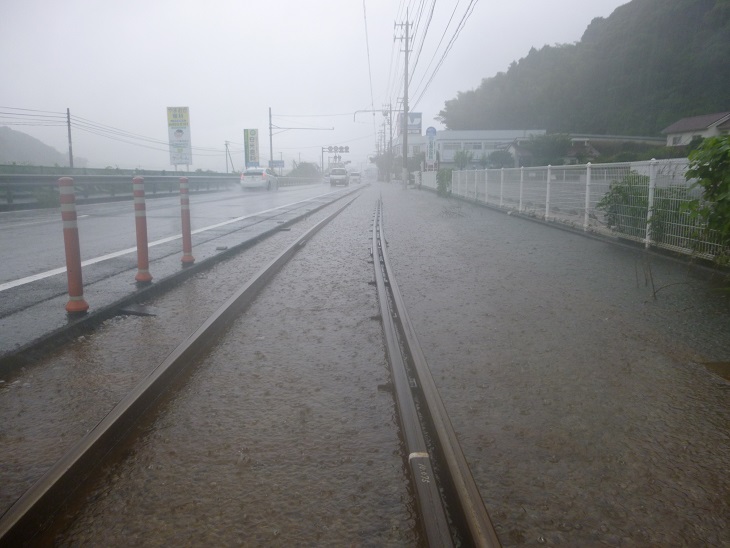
[370, 72]
[423, 40]
[459, 28]
[443, 35]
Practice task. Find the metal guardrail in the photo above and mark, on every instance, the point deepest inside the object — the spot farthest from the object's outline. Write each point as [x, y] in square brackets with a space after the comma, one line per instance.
[40, 191]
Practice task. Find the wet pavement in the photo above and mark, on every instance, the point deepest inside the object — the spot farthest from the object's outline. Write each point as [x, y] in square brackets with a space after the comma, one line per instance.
[34, 312]
[581, 401]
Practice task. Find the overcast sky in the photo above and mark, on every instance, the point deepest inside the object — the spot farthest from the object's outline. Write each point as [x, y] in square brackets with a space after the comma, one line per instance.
[119, 64]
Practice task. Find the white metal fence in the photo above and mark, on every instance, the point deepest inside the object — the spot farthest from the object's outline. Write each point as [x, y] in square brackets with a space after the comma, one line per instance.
[639, 201]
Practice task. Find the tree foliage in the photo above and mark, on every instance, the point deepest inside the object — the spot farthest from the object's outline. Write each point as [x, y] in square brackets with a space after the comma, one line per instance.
[304, 169]
[709, 165]
[501, 158]
[650, 63]
[548, 149]
[463, 158]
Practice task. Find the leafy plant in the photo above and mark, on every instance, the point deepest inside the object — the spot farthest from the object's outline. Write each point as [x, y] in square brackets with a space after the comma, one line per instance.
[501, 158]
[443, 182]
[462, 158]
[626, 205]
[709, 165]
[626, 209]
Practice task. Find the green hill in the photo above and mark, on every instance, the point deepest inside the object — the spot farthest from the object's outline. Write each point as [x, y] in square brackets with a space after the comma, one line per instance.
[650, 63]
[22, 149]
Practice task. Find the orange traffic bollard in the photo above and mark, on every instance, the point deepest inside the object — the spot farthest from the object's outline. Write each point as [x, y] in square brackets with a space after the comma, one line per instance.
[76, 303]
[187, 258]
[140, 221]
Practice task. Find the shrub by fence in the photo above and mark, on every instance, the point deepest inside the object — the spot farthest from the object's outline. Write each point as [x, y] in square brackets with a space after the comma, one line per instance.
[645, 202]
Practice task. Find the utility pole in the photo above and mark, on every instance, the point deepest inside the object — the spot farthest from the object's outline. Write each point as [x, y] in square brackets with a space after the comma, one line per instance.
[405, 105]
[228, 155]
[70, 146]
[271, 141]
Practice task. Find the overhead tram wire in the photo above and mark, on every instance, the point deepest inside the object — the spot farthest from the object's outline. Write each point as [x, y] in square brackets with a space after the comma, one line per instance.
[117, 134]
[59, 119]
[443, 35]
[460, 27]
[370, 71]
[35, 110]
[423, 40]
[199, 151]
[43, 118]
[417, 21]
[123, 133]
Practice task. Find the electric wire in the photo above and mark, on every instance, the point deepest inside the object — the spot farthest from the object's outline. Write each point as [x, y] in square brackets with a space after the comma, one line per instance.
[443, 35]
[370, 71]
[423, 40]
[460, 27]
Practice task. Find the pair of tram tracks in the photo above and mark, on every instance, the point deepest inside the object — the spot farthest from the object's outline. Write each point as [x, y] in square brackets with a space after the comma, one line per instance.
[451, 509]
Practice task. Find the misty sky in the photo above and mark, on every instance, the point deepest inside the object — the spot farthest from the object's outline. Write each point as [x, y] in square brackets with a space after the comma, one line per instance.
[118, 65]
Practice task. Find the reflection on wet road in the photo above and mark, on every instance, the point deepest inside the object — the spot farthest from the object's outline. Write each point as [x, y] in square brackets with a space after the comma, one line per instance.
[580, 400]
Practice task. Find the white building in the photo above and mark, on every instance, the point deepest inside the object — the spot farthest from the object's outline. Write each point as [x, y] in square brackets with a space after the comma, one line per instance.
[480, 142]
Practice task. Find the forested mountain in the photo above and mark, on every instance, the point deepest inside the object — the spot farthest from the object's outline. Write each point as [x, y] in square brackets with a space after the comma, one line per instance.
[19, 148]
[650, 63]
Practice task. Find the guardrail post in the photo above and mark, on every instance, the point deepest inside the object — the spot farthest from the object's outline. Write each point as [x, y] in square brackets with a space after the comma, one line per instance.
[650, 201]
[547, 193]
[588, 196]
[522, 181]
[501, 187]
[140, 221]
[76, 303]
[486, 186]
[187, 258]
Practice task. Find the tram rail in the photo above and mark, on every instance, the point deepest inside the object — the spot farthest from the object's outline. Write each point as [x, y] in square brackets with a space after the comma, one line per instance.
[32, 511]
[451, 509]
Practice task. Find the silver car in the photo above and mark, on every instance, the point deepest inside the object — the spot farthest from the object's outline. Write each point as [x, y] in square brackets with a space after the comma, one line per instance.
[259, 177]
[339, 176]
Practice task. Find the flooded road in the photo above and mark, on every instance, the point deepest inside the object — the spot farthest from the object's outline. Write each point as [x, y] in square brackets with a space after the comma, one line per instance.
[580, 400]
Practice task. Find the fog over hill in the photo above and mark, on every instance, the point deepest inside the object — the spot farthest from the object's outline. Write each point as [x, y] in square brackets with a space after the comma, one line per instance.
[18, 148]
[647, 65]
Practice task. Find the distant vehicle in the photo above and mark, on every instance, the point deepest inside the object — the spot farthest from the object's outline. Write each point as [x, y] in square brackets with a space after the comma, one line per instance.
[354, 176]
[339, 176]
[259, 177]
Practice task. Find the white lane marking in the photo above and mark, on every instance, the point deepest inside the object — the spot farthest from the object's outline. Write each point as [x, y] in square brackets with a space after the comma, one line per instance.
[55, 271]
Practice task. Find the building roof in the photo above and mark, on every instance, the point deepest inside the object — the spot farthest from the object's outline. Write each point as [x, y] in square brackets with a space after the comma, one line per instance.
[697, 122]
[487, 134]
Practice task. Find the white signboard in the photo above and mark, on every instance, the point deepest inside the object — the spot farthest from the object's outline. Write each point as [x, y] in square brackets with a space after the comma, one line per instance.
[178, 129]
[414, 123]
[251, 147]
[431, 147]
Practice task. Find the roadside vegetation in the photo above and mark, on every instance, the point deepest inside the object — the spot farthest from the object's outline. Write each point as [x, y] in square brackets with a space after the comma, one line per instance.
[709, 167]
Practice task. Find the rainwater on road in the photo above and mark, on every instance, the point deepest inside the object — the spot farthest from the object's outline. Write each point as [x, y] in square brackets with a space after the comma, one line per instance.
[581, 401]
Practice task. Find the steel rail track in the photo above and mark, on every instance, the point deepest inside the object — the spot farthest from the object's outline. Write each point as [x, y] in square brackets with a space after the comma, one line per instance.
[35, 509]
[457, 478]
